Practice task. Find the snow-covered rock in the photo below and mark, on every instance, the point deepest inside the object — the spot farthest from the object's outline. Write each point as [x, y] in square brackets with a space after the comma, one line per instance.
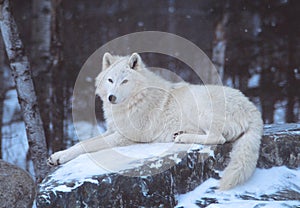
[274, 187]
[142, 174]
[157, 175]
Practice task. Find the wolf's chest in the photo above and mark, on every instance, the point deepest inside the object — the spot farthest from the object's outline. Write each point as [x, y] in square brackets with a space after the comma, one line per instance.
[144, 124]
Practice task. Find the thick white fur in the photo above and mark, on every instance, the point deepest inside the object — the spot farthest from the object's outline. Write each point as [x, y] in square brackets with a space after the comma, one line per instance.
[148, 108]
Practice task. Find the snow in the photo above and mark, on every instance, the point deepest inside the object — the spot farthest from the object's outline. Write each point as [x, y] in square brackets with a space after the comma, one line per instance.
[144, 151]
[87, 165]
[229, 82]
[171, 9]
[256, 21]
[280, 111]
[85, 130]
[254, 81]
[14, 143]
[263, 182]
[140, 24]
[14, 147]
[79, 170]
[82, 169]
[10, 106]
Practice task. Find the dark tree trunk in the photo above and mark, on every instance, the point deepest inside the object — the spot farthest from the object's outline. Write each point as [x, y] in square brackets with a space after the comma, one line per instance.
[21, 71]
[291, 86]
[41, 60]
[291, 79]
[57, 79]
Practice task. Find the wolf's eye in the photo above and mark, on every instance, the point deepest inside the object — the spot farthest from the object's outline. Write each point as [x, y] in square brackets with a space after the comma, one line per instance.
[110, 80]
[124, 81]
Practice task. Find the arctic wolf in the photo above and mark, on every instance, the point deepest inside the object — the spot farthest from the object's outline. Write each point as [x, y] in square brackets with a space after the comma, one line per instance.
[140, 106]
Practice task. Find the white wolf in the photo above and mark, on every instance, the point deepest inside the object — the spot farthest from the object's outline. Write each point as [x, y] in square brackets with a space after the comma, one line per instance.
[140, 106]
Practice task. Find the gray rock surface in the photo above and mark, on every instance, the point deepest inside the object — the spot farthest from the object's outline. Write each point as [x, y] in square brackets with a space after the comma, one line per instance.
[280, 146]
[139, 183]
[17, 188]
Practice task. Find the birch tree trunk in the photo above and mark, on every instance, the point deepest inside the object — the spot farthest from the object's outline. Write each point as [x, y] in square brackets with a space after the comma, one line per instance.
[20, 67]
[46, 61]
[219, 48]
[2, 92]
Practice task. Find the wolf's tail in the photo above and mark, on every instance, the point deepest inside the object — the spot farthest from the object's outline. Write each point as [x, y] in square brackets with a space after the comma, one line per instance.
[244, 156]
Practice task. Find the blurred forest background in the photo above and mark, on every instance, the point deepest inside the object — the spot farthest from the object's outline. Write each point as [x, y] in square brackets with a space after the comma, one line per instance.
[260, 41]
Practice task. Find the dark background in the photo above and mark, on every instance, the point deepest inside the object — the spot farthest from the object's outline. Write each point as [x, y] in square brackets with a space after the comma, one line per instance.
[262, 56]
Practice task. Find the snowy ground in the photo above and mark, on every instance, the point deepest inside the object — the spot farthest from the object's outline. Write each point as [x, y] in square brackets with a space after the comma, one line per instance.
[267, 188]
[14, 139]
[14, 143]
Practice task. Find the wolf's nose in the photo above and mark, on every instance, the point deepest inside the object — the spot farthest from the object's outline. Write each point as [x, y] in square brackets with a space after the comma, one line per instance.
[112, 98]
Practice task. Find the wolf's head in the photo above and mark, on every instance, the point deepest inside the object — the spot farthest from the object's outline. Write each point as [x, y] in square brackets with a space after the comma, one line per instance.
[119, 78]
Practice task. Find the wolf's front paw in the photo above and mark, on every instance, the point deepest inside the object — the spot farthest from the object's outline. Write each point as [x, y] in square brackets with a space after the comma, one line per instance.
[176, 134]
[57, 158]
[180, 139]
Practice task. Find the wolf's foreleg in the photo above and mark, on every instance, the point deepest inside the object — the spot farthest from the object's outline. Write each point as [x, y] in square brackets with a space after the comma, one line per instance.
[91, 145]
[206, 139]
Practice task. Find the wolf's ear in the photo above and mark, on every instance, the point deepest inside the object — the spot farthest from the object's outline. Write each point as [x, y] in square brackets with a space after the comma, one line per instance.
[135, 61]
[107, 60]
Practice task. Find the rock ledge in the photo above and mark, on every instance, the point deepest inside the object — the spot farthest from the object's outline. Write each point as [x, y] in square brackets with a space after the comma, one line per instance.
[129, 179]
